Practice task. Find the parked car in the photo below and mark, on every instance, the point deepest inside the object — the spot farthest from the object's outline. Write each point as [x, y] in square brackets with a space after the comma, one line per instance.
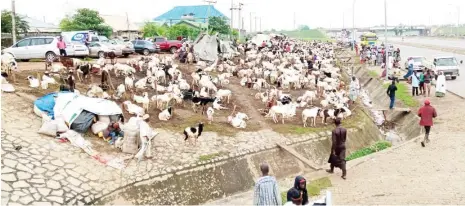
[145, 47]
[448, 65]
[127, 47]
[43, 47]
[98, 49]
[167, 45]
[419, 63]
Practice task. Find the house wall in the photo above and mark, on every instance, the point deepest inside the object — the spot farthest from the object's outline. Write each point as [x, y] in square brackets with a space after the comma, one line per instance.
[130, 34]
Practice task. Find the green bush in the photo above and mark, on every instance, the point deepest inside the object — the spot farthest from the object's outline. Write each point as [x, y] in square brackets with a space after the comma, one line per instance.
[381, 145]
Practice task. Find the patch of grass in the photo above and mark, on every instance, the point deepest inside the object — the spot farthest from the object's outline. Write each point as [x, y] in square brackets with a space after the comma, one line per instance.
[313, 188]
[88, 59]
[404, 95]
[36, 60]
[378, 146]
[211, 156]
[298, 129]
[373, 73]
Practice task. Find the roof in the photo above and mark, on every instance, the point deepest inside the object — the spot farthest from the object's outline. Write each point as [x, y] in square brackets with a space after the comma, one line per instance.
[193, 23]
[200, 13]
[120, 23]
[36, 25]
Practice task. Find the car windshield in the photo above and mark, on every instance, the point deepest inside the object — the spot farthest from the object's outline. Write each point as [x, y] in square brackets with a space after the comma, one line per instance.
[103, 38]
[446, 62]
[417, 59]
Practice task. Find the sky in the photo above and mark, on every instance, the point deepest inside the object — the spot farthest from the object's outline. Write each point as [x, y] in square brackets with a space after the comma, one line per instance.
[273, 13]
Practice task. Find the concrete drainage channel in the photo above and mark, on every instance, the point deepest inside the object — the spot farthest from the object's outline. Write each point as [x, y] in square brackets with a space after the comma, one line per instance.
[236, 173]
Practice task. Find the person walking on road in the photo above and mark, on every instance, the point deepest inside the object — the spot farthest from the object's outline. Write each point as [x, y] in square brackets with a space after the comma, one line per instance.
[61, 45]
[391, 92]
[337, 158]
[426, 113]
[415, 83]
[266, 190]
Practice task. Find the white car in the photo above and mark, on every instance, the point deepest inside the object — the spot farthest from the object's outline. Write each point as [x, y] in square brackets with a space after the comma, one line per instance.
[41, 47]
[98, 49]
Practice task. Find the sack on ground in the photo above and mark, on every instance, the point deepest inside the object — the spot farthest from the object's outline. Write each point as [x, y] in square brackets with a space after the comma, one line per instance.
[39, 112]
[61, 125]
[48, 128]
[104, 119]
[99, 127]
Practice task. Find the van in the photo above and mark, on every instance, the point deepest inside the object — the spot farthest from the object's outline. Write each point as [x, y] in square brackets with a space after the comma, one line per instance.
[41, 47]
[448, 65]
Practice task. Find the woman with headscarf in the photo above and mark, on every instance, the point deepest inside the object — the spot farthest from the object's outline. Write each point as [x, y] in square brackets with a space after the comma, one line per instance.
[441, 85]
[353, 89]
[300, 184]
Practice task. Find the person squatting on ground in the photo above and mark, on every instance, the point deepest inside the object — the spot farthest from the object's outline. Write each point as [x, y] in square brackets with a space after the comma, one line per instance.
[300, 184]
[426, 113]
[337, 158]
[266, 190]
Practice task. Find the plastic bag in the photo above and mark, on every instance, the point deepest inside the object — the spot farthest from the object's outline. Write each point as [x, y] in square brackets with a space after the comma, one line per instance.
[39, 112]
[99, 127]
[8, 88]
[48, 128]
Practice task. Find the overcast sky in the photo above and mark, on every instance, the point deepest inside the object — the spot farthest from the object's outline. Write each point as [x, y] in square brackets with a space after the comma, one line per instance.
[274, 13]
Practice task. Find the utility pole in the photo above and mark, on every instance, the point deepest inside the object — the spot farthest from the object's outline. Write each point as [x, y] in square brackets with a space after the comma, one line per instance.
[13, 21]
[353, 25]
[250, 22]
[385, 42]
[260, 24]
[210, 2]
[256, 23]
[232, 14]
[241, 20]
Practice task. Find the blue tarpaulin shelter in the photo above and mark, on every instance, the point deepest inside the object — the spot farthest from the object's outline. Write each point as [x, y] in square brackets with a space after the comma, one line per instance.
[198, 13]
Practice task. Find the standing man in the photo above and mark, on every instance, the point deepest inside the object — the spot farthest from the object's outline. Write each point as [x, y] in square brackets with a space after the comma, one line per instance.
[266, 190]
[337, 157]
[391, 92]
[61, 46]
[426, 113]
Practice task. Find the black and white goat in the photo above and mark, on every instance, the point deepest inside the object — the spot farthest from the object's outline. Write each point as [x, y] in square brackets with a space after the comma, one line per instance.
[83, 70]
[193, 132]
[201, 101]
[165, 115]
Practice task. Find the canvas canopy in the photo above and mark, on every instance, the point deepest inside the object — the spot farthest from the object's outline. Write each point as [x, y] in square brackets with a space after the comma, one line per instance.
[208, 47]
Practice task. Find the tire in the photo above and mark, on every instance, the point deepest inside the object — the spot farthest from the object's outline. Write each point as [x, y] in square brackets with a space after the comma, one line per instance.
[173, 50]
[126, 55]
[50, 56]
[100, 54]
[145, 52]
[453, 78]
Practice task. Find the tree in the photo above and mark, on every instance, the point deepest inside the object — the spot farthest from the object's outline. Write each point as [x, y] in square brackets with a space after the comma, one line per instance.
[86, 19]
[218, 24]
[304, 27]
[22, 26]
[152, 29]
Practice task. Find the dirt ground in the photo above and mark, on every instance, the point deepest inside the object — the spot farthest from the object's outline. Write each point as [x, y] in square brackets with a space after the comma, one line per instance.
[183, 115]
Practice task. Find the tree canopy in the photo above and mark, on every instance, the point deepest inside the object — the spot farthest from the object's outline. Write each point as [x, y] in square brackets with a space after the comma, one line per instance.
[151, 29]
[22, 26]
[304, 27]
[86, 19]
[218, 24]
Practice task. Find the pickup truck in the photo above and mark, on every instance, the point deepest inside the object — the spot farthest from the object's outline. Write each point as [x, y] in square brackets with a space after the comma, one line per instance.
[448, 65]
[167, 45]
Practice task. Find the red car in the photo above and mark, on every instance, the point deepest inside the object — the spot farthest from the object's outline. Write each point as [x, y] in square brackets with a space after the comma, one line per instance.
[167, 45]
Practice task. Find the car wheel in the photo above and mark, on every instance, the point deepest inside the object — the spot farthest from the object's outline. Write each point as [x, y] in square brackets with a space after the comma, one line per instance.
[126, 55]
[146, 52]
[101, 54]
[453, 78]
[173, 50]
[50, 56]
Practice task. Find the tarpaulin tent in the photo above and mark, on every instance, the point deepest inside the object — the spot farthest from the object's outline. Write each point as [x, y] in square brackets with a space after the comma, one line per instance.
[76, 110]
[206, 47]
[259, 38]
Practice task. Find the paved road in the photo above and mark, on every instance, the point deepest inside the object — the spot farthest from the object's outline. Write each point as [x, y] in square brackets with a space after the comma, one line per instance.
[444, 43]
[457, 86]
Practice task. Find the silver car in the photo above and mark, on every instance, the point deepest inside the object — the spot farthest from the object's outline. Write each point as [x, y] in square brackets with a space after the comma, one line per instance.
[98, 49]
[127, 47]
